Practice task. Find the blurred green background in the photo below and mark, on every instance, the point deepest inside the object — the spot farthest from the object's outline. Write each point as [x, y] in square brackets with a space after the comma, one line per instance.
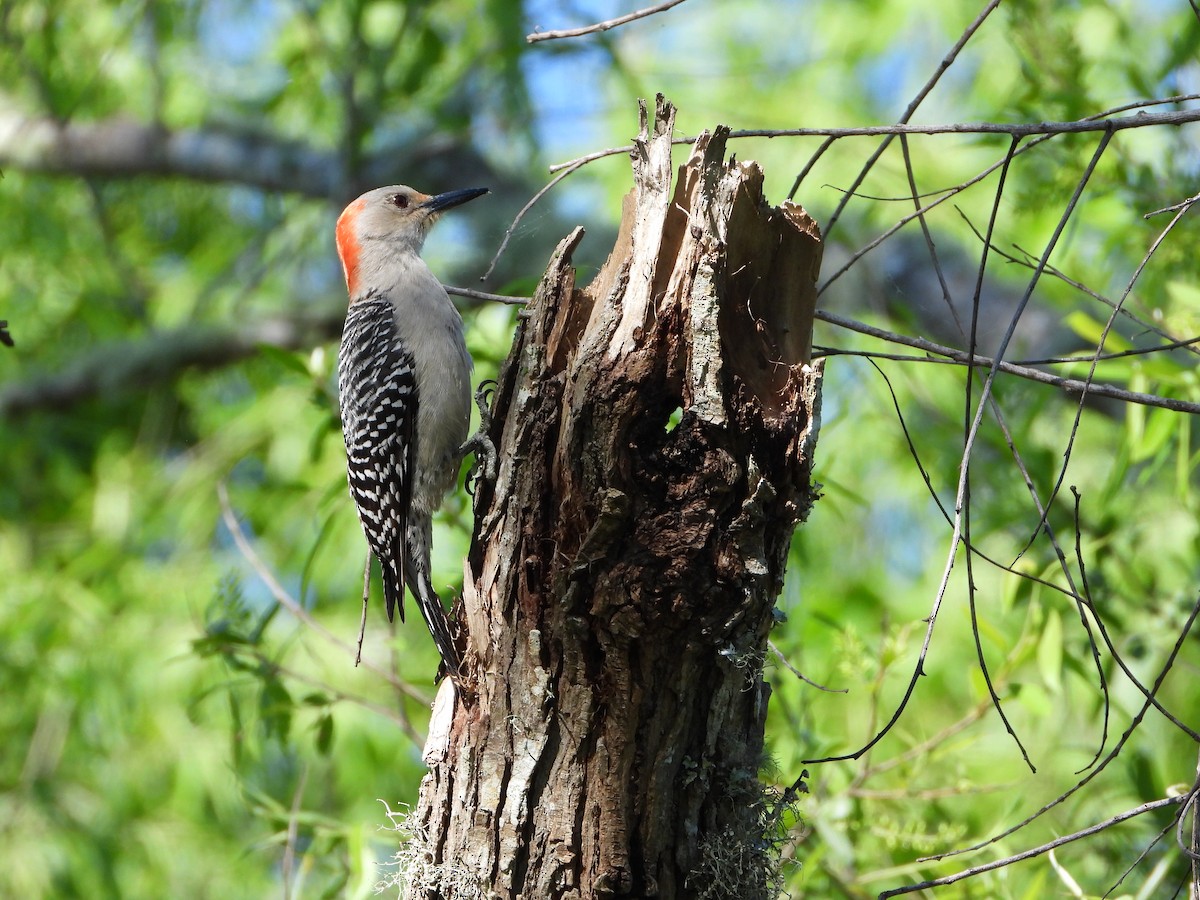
[171, 174]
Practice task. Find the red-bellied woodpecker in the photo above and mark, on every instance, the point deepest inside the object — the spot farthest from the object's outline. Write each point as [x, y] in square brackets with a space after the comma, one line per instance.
[404, 380]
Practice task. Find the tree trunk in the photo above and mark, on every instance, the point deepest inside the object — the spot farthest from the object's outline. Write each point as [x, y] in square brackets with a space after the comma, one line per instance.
[655, 434]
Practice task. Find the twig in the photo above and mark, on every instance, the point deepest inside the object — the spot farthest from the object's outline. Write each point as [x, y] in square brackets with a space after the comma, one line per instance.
[1108, 326]
[483, 295]
[1146, 851]
[1192, 847]
[600, 26]
[969, 443]
[925, 746]
[1184, 841]
[362, 624]
[904, 220]
[972, 345]
[956, 527]
[1185, 344]
[933, 494]
[1182, 204]
[787, 665]
[1171, 344]
[1035, 851]
[986, 390]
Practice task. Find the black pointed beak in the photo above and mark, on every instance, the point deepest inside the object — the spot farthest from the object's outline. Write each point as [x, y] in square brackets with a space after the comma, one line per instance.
[440, 202]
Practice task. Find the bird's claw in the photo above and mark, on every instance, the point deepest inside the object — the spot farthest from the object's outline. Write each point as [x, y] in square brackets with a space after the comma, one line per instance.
[486, 464]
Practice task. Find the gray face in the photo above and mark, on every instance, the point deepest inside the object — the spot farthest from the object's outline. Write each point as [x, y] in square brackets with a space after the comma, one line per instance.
[393, 211]
[392, 220]
[398, 209]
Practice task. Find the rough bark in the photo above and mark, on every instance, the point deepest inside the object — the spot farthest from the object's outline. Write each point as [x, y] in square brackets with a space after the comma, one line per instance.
[655, 434]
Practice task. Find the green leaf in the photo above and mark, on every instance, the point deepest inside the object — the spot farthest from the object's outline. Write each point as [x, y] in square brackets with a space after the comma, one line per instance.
[286, 359]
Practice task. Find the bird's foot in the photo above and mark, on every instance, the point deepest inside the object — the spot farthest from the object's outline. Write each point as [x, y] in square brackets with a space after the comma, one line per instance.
[486, 464]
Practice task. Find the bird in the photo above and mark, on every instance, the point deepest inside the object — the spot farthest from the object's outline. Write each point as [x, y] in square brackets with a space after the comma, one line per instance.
[404, 376]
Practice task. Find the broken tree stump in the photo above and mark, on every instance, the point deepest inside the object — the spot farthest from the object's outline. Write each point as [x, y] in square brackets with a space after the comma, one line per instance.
[655, 432]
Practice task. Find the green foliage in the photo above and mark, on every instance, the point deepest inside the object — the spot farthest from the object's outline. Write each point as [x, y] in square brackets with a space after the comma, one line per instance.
[176, 728]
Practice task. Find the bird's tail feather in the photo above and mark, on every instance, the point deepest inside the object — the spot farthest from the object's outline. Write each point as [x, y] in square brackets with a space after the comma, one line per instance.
[393, 587]
[435, 617]
[416, 573]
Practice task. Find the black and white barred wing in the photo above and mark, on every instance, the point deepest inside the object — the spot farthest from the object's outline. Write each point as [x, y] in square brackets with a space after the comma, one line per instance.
[378, 389]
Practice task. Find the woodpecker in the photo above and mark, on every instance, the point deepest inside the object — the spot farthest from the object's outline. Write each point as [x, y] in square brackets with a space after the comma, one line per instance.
[404, 382]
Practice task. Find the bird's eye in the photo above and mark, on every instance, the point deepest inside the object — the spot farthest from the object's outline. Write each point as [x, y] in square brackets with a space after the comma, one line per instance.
[400, 201]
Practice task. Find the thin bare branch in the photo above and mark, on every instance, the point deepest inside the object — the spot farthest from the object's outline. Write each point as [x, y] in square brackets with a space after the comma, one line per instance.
[931, 246]
[1147, 849]
[1108, 326]
[926, 746]
[1181, 205]
[788, 665]
[1016, 130]
[362, 622]
[972, 548]
[1070, 385]
[484, 296]
[968, 444]
[600, 26]
[1187, 344]
[1028, 262]
[808, 166]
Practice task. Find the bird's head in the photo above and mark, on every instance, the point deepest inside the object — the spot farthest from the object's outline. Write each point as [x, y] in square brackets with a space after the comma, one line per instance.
[390, 221]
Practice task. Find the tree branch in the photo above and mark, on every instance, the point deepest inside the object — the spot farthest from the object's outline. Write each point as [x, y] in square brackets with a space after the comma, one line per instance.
[600, 26]
[122, 147]
[160, 357]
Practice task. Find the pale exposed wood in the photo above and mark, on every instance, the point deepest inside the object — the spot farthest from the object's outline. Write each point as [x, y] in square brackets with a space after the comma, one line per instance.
[621, 582]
